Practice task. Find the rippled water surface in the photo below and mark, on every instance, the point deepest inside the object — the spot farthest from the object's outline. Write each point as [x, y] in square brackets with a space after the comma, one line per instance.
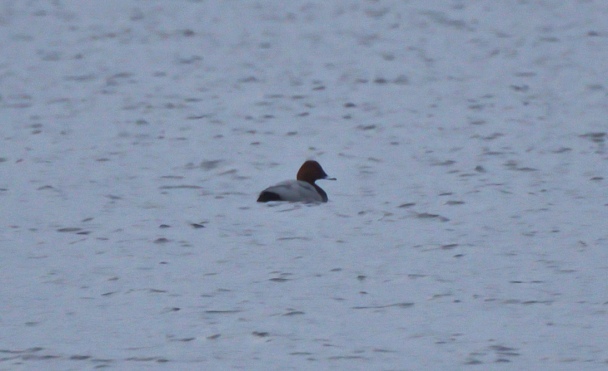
[467, 228]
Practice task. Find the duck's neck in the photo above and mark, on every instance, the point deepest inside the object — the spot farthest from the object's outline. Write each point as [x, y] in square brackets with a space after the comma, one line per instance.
[321, 192]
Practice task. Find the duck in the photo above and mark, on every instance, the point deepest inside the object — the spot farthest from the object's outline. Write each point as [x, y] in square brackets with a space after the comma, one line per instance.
[303, 189]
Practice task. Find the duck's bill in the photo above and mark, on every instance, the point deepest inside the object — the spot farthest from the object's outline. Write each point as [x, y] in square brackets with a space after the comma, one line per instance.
[328, 178]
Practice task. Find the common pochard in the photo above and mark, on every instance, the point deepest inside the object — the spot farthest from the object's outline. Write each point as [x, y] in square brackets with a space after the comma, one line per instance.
[303, 189]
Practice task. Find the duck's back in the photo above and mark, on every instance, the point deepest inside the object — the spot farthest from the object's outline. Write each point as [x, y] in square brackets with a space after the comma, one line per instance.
[292, 190]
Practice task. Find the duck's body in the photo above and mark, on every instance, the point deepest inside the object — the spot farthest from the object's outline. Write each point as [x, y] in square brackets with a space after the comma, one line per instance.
[294, 191]
[303, 189]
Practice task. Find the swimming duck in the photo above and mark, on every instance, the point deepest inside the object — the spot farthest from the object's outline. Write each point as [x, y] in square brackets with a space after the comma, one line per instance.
[303, 189]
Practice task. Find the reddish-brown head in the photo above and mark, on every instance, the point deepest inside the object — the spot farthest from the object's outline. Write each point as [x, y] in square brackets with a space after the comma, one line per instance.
[310, 171]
